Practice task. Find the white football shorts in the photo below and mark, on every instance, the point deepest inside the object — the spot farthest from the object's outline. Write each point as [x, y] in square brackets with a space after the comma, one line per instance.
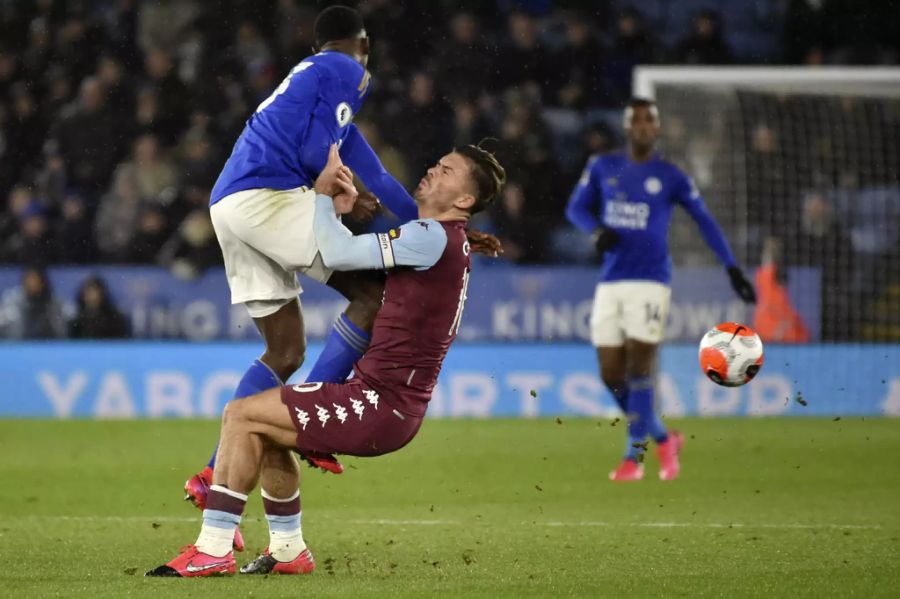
[267, 238]
[629, 310]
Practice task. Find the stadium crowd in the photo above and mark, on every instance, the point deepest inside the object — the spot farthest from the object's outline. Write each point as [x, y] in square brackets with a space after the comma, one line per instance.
[116, 115]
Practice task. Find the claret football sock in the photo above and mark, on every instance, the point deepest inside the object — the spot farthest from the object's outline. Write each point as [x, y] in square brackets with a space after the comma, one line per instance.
[256, 379]
[220, 518]
[346, 344]
[640, 413]
[285, 535]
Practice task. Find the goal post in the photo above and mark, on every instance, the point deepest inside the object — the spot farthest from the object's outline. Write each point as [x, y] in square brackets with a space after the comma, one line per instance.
[802, 162]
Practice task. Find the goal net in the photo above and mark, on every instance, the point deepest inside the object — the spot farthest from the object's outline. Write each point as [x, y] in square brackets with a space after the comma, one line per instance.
[802, 169]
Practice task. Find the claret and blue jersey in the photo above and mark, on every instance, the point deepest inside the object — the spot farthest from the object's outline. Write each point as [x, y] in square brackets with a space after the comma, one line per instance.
[636, 199]
[285, 143]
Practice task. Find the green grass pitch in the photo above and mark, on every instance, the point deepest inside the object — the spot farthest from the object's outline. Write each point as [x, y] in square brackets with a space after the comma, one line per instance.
[498, 508]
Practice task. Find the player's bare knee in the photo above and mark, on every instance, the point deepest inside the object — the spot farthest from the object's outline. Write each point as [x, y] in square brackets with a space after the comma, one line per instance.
[232, 414]
[286, 359]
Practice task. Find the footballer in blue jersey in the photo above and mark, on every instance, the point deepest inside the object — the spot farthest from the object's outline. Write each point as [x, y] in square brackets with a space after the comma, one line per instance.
[262, 208]
[626, 201]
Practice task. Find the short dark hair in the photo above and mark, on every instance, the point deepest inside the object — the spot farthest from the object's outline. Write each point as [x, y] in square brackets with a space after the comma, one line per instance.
[337, 23]
[638, 102]
[487, 173]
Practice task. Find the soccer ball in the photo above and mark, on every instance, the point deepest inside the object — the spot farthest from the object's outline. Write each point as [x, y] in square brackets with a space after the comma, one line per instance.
[731, 354]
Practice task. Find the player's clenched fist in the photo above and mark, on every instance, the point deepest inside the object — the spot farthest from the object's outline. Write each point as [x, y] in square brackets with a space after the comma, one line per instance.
[336, 181]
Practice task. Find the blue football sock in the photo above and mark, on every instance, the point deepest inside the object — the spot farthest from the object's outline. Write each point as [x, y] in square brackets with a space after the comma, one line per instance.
[657, 430]
[640, 413]
[258, 377]
[346, 344]
[620, 394]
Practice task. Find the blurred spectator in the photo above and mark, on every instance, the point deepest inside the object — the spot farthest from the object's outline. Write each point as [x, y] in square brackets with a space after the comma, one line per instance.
[117, 217]
[173, 100]
[523, 61]
[19, 198]
[768, 176]
[775, 318]
[578, 68]
[97, 316]
[192, 248]
[119, 97]
[705, 44]
[32, 311]
[522, 237]
[23, 134]
[74, 234]
[33, 243]
[464, 61]
[152, 173]
[632, 46]
[820, 242]
[390, 157]
[423, 124]
[89, 138]
[469, 124]
[152, 232]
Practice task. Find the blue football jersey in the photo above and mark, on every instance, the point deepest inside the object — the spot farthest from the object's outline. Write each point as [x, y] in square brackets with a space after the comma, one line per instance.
[636, 199]
[281, 145]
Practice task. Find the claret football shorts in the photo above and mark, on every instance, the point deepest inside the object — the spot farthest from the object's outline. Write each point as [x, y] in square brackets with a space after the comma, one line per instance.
[348, 418]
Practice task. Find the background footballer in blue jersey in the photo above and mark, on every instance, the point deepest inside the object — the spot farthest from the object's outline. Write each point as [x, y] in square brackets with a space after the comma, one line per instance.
[625, 201]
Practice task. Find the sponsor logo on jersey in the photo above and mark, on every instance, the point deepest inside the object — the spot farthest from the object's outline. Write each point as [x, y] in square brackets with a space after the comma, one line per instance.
[626, 215]
[652, 185]
[302, 417]
[372, 397]
[323, 414]
[358, 407]
[344, 114]
[423, 224]
[340, 412]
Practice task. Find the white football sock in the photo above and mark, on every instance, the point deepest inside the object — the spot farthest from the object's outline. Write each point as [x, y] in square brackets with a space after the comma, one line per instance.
[285, 533]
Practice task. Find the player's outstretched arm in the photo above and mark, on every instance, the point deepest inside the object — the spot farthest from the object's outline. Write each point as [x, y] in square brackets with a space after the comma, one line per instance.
[583, 208]
[714, 237]
[418, 243]
[359, 156]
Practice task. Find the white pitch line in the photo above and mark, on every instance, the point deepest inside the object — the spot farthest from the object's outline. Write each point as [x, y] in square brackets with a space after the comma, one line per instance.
[600, 523]
[551, 523]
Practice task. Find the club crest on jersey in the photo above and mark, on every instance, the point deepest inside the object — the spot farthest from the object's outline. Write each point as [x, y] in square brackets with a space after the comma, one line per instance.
[302, 417]
[323, 414]
[652, 185]
[372, 397]
[465, 248]
[344, 114]
[358, 407]
[340, 412]
[394, 233]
